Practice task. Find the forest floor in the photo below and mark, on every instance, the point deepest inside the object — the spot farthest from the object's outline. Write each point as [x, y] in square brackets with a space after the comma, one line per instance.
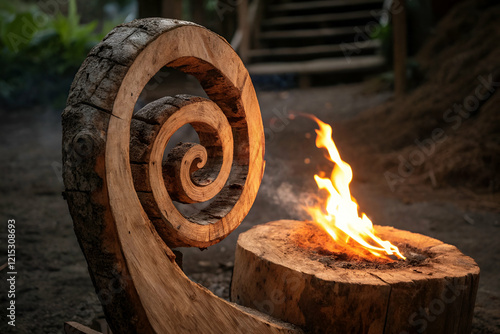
[53, 285]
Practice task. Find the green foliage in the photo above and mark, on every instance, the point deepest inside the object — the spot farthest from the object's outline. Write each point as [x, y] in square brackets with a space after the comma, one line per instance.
[211, 5]
[40, 53]
[384, 34]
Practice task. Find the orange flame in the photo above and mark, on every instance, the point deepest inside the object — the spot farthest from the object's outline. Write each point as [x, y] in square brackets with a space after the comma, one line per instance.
[342, 219]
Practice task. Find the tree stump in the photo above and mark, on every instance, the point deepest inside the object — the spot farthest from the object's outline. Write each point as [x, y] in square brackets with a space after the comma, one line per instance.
[120, 193]
[433, 291]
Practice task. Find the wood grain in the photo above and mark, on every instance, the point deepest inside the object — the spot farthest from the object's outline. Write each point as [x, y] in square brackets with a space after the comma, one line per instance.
[140, 286]
[273, 276]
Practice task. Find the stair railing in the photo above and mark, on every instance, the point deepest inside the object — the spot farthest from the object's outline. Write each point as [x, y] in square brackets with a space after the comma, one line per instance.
[248, 19]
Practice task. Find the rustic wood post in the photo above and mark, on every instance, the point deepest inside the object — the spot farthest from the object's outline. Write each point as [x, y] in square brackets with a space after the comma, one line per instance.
[150, 8]
[398, 10]
[198, 11]
[171, 9]
[243, 26]
[119, 199]
[160, 8]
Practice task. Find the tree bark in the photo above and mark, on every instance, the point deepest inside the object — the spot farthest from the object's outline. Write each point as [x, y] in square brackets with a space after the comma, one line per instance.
[139, 284]
[400, 36]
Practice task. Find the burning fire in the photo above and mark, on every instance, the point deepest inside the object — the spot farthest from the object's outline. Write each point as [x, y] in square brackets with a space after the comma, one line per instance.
[341, 218]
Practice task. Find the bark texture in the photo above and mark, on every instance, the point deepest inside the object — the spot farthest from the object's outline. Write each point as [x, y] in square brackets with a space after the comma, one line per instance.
[275, 277]
[140, 286]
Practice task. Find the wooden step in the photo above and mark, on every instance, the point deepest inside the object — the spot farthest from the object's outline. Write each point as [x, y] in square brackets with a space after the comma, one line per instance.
[315, 50]
[318, 18]
[323, 4]
[325, 65]
[307, 33]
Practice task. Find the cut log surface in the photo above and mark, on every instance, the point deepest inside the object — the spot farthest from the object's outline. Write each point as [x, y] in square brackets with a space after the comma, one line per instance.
[140, 286]
[274, 276]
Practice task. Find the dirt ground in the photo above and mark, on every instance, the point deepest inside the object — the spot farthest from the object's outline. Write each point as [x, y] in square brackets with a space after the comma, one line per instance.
[53, 285]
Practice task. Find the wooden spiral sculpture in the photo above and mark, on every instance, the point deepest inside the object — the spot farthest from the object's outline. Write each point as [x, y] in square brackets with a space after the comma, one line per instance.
[120, 193]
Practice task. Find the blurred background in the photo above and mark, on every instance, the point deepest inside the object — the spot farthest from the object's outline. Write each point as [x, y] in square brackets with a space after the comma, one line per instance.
[286, 44]
[410, 88]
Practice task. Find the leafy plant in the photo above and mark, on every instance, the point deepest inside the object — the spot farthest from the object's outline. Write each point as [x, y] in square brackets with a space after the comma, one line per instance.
[40, 53]
[384, 34]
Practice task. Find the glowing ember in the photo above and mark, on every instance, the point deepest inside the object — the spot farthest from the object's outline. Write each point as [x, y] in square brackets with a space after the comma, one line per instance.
[341, 217]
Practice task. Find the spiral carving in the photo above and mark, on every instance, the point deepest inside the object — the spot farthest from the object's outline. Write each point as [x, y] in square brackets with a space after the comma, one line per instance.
[120, 192]
[192, 173]
[229, 128]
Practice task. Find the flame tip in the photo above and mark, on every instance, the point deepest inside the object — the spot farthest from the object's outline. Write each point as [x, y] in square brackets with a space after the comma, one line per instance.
[341, 213]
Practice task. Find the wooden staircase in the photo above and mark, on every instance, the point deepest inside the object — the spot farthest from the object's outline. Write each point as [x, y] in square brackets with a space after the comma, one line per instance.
[313, 37]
